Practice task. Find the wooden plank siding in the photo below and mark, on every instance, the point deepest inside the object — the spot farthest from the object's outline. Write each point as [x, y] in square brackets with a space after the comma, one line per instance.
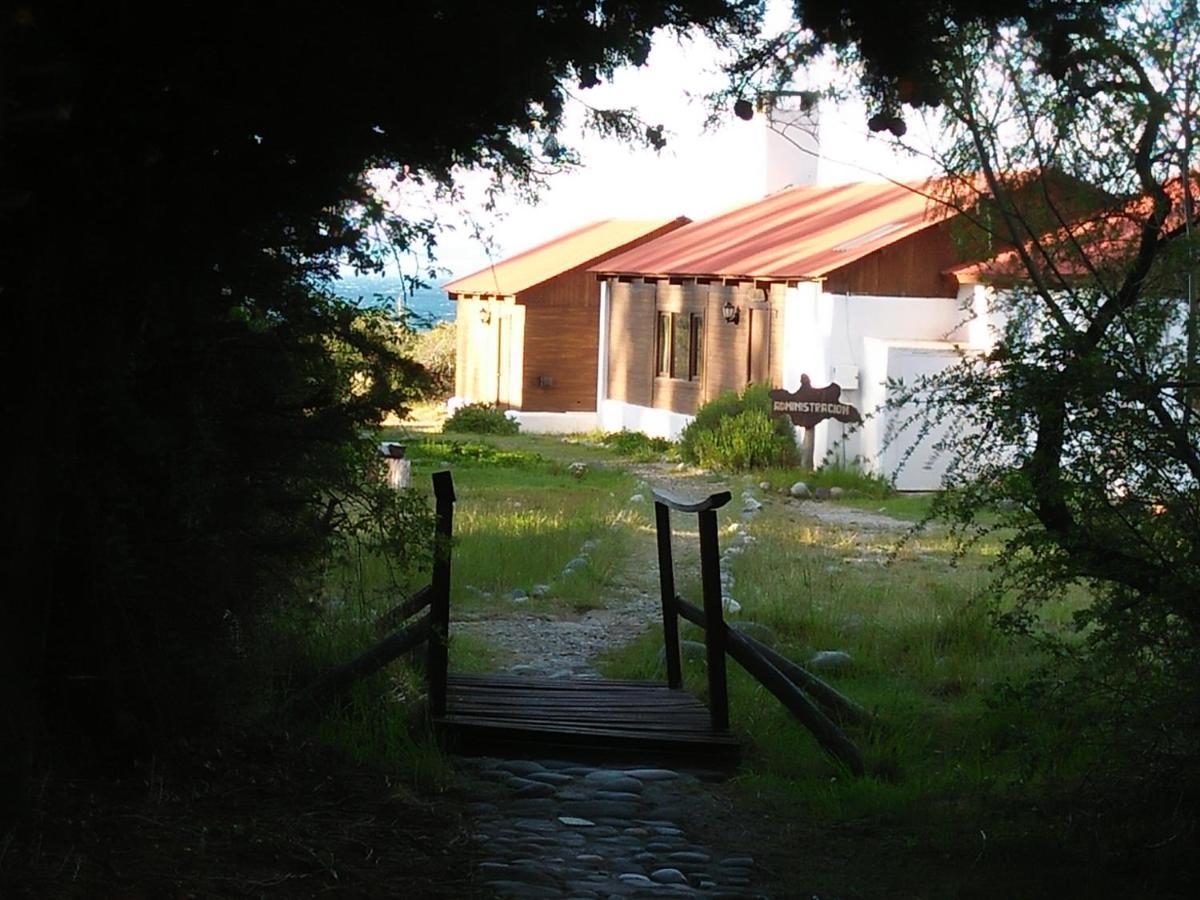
[726, 359]
[489, 357]
[631, 343]
[912, 267]
[678, 394]
[562, 342]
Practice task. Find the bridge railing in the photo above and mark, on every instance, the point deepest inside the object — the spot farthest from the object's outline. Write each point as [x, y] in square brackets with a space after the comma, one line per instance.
[817, 709]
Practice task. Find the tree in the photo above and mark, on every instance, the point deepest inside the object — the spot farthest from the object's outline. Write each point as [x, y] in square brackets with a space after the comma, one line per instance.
[1083, 418]
[1070, 145]
[177, 185]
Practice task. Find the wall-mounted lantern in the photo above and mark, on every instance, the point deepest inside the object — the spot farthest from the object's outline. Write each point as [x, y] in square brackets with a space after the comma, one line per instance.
[485, 314]
[730, 312]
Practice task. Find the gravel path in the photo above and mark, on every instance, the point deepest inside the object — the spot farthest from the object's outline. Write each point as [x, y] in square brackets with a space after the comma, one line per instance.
[556, 829]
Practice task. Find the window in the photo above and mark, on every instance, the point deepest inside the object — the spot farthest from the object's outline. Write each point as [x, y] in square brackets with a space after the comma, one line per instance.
[664, 345]
[679, 350]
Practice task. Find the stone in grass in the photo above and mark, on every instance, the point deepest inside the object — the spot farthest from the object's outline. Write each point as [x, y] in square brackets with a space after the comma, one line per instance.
[759, 632]
[830, 660]
[730, 605]
[822, 493]
[749, 504]
[517, 595]
[764, 485]
[539, 590]
[636, 498]
[799, 489]
[577, 563]
[835, 492]
[578, 469]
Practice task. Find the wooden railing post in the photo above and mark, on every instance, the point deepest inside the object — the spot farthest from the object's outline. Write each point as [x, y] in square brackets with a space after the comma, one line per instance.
[439, 610]
[666, 579]
[714, 631]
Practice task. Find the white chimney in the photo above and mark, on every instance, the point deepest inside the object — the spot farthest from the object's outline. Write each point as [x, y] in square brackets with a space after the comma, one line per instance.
[792, 138]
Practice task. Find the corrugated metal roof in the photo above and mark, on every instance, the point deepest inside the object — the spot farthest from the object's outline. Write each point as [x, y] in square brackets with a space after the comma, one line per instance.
[797, 234]
[585, 245]
[1109, 237]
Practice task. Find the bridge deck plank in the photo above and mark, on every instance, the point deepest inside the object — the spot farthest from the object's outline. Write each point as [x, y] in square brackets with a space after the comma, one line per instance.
[490, 713]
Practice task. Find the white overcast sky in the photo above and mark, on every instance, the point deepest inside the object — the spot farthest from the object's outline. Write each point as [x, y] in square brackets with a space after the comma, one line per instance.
[698, 174]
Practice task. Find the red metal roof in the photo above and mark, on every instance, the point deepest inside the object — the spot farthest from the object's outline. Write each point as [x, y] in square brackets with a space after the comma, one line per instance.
[580, 247]
[797, 234]
[1108, 238]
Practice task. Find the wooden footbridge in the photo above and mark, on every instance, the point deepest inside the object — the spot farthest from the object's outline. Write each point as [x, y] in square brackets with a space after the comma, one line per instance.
[497, 713]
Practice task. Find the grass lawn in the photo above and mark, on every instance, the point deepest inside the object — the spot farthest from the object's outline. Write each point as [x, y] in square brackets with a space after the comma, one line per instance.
[956, 769]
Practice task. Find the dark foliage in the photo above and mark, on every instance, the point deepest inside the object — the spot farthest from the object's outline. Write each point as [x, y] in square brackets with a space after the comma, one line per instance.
[185, 401]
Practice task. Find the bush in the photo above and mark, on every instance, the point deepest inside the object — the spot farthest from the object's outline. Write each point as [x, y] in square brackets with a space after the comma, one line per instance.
[435, 349]
[637, 446]
[481, 418]
[738, 433]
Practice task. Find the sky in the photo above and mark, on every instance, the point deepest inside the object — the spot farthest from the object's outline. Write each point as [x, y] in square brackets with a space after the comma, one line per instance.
[698, 174]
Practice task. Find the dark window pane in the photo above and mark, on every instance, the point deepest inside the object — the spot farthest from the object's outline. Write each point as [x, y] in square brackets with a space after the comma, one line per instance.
[663, 364]
[679, 353]
[696, 358]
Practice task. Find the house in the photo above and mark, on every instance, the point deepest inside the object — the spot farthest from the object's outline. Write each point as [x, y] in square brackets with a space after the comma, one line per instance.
[527, 326]
[849, 284]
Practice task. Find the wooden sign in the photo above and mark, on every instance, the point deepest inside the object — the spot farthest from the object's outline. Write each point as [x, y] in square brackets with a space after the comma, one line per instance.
[809, 405]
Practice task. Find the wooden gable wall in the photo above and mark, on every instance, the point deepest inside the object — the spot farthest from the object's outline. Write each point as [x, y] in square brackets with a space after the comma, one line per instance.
[562, 342]
[911, 267]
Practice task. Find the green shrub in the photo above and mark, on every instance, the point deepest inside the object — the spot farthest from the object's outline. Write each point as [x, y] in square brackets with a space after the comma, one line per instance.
[738, 433]
[435, 349]
[637, 446]
[481, 418]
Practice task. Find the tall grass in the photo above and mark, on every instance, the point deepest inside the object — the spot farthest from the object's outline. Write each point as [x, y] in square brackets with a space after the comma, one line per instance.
[521, 518]
[926, 660]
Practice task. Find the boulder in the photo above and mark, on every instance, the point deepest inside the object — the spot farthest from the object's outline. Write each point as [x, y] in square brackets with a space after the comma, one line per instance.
[759, 632]
[799, 489]
[830, 661]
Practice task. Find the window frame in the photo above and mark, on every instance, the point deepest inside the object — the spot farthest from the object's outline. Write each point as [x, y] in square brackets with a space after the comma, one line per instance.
[672, 359]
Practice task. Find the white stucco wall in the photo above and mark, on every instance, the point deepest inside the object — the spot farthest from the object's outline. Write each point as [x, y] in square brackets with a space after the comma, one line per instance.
[614, 415]
[871, 337]
[555, 422]
[824, 332]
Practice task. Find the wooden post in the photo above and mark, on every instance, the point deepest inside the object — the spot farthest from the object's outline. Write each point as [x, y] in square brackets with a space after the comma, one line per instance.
[439, 612]
[808, 448]
[666, 579]
[714, 631]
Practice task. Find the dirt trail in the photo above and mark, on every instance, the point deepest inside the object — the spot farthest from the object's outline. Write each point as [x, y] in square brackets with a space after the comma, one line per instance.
[559, 642]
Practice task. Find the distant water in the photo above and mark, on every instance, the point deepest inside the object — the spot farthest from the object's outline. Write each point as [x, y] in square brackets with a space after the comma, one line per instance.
[427, 306]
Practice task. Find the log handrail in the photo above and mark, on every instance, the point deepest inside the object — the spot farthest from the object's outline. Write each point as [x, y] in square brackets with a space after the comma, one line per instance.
[744, 652]
[439, 607]
[407, 608]
[677, 503]
[782, 677]
[710, 580]
[432, 627]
